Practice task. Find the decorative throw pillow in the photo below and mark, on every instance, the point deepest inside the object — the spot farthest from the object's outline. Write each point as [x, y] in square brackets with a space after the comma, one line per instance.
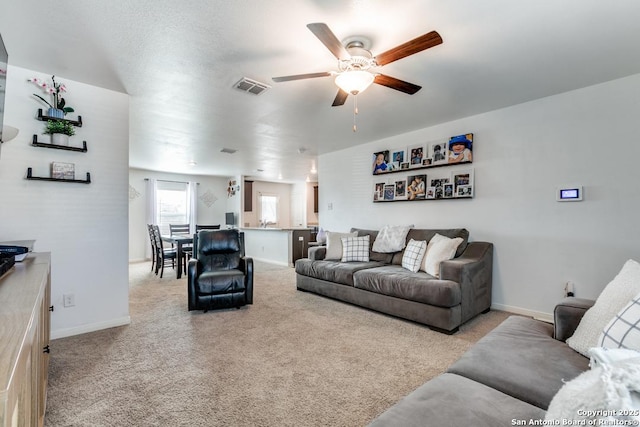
[334, 244]
[355, 249]
[623, 331]
[611, 300]
[413, 254]
[440, 248]
[391, 238]
[593, 397]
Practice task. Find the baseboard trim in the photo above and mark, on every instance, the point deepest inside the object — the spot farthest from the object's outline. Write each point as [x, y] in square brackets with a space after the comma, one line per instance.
[92, 327]
[538, 315]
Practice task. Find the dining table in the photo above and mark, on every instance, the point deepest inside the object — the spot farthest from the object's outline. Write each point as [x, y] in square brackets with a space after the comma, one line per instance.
[178, 240]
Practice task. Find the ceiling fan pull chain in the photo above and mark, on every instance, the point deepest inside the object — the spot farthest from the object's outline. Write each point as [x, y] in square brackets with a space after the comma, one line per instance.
[355, 112]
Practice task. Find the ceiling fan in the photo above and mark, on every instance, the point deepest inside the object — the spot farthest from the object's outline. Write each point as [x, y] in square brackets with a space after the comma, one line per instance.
[355, 61]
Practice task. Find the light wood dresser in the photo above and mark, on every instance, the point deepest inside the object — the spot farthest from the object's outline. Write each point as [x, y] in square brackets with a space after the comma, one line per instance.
[25, 305]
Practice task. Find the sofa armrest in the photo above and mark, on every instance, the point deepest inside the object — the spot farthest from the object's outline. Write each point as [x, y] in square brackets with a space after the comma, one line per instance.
[317, 253]
[567, 316]
[473, 270]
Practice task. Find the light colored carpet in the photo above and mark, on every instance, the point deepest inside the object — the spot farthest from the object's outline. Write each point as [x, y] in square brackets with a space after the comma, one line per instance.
[290, 359]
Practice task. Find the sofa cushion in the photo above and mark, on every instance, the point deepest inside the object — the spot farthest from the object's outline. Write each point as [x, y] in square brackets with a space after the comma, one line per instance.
[454, 401]
[395, 281]
[334, 245]
[332, 271]
[391, 238]
[355, 249]
[522, 359]
[413, 255]
[427, 234]
[623, 331]
[440, 248]
[373, 255]
[613, 297]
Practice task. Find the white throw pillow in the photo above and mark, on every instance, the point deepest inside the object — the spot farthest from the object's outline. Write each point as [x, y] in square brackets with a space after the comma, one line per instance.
[413, 255]
[440, 248]
[612, 299]
[334, 244]
[623, 331]
[391, 238]
[355, 249]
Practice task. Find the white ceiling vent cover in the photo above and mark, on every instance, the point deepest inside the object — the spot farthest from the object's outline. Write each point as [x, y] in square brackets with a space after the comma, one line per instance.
[251, 86]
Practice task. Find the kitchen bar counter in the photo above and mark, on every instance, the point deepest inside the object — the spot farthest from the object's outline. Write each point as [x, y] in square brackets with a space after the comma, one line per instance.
[276, 245]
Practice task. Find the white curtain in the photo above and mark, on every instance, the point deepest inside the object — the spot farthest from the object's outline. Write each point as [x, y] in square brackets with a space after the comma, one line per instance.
[152, 214]
[193, 205]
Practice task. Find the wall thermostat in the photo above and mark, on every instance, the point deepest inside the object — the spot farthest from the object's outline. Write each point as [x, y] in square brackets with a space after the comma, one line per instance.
[572, 193]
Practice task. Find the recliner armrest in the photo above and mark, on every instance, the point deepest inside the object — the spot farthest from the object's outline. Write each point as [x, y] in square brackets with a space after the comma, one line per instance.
[567, 315]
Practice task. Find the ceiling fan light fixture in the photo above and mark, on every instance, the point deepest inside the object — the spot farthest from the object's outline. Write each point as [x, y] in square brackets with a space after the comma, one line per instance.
[354, 81]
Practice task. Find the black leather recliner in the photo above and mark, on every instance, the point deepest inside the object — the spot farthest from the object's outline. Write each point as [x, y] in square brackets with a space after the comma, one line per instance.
[219, 275]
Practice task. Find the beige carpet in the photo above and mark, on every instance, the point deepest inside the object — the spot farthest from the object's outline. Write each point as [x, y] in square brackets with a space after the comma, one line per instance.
[290, 359]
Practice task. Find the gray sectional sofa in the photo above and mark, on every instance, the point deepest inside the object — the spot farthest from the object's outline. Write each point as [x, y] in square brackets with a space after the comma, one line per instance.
[382, 284]
[508, 377]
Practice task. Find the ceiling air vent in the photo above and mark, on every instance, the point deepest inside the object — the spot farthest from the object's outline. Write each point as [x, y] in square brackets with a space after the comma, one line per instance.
[251, 86]
[228, 150]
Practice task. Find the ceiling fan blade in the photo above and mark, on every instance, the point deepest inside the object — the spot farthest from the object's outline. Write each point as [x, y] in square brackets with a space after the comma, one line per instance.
[409, 48]
[396, 84]
[340, 99]
[301, 76]
[326, 36]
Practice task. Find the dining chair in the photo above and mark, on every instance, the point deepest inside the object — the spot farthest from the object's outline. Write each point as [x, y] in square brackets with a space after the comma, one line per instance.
[187, 250]
[161, 253]
[207, 227]
[153, 246]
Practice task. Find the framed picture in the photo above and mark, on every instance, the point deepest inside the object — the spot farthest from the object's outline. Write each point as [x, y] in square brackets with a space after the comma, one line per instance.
[380, 162]
[389, 192]
[448, 190]
[438, 187]
[427, 161]
[461, 178]
[431, 193]
[464, 191]
[397, 159]
[401, 189]
[378, 192]
[416, 187]
[416, 154]
[438, 152]
[60, 170]
[404, 165]
[460, 149]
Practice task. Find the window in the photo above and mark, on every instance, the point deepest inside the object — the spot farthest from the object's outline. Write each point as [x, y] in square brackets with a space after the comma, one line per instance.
[268, 210]
[172, 200]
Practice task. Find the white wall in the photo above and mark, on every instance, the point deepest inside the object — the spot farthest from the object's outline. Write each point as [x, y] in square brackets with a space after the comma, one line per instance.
[587, 137]
[214, 214]
[83, 226]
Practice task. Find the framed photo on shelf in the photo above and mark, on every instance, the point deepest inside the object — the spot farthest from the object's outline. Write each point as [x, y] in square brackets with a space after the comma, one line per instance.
[381, 162]
[464, 191]
[397, 159]
[461, 178]
[404, 165]
[448, 190]
[416, 154]
[438, 187]
[431, 193]
[416, 187]
[378, 192]
[389, 191]
[438, 152]
[401, 189]
[460, 149]
[60, 170]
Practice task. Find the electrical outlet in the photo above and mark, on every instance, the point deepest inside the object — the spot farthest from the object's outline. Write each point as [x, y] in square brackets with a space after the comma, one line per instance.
[301, 239]
[68, 300]
[569, 289]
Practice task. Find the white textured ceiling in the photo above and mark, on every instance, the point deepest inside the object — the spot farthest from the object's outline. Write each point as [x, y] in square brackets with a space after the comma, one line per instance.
[179, 60]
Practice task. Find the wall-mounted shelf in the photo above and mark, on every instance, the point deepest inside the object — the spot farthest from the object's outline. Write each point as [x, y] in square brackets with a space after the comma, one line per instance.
[40, 178]
[43, 118]
[82, 149]
[421, 167]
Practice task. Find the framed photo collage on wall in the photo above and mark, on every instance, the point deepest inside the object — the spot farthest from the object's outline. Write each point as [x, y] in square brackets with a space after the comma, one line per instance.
[413, 182]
